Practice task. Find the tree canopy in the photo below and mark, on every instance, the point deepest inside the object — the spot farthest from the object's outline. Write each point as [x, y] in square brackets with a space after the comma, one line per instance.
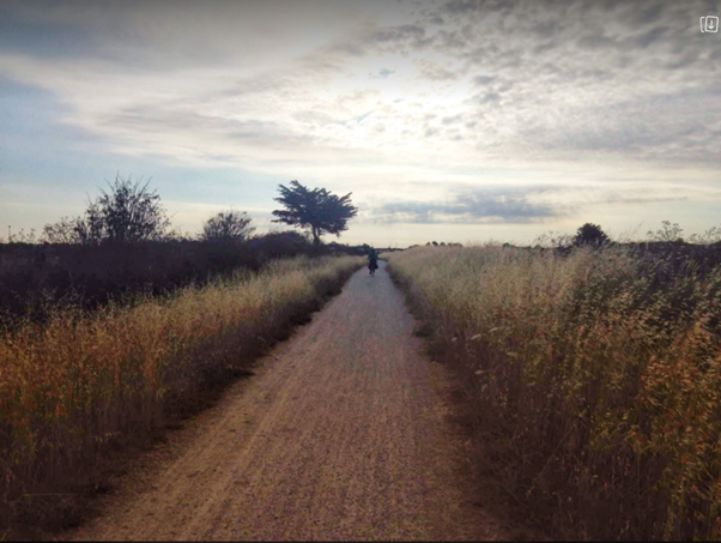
[590, 235]
[317, 209]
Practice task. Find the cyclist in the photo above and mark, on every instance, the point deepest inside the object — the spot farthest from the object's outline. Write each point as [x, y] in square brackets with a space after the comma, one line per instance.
[372, 260]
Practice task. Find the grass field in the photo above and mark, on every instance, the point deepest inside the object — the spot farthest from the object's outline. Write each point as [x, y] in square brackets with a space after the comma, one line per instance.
[595, 378]
[82, 383]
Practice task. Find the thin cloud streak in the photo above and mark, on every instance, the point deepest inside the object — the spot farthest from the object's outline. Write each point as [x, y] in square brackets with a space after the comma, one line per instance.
[519, 205]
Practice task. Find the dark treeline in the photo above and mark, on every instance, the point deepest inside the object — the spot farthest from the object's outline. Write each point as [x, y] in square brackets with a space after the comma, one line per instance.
[35, 278]
[122, 247]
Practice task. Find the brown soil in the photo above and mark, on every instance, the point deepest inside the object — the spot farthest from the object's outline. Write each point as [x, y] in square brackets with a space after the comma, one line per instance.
[345, 431]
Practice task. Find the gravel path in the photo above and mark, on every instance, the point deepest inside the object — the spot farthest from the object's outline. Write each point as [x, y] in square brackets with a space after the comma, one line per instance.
[343, 432]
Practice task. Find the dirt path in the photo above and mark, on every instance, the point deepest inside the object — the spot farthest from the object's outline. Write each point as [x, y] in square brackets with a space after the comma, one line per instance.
[342, 433]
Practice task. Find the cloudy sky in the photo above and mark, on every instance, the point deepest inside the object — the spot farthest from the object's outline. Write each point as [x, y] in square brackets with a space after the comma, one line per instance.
[454, 120]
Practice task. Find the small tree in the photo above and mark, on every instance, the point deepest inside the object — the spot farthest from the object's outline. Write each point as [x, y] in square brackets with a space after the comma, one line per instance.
[129, 212]
[590, 235]
[227, 225]
[317, 209]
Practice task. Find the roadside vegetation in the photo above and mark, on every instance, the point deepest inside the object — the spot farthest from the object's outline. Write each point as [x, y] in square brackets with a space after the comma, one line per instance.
[112, 326]
[83, 383]
[122, 247]
[595, 374]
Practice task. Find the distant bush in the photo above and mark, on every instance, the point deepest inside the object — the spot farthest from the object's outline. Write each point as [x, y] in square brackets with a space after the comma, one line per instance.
[590, 235]
[66, 231]
[441, 244]
[667, 232]
[227, 225]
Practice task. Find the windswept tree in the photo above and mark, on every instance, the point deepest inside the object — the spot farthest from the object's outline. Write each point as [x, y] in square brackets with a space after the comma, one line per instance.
[317, 209]
[227, 225]
[590, 235]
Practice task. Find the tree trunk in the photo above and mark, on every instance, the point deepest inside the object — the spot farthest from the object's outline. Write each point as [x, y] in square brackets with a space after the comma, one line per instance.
[316, 236]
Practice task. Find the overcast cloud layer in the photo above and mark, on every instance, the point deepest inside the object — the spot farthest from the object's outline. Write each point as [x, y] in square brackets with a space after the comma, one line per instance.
[457, 120]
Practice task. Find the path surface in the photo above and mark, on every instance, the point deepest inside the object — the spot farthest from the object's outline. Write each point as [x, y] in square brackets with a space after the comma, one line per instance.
[342, 433]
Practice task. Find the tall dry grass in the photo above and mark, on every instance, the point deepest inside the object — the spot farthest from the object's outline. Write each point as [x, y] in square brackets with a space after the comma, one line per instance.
[82, 382]
[596, 378]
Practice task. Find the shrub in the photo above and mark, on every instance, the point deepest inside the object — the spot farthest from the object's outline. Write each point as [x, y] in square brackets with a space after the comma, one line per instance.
[227, 225]
[590, 235]
[129, 212]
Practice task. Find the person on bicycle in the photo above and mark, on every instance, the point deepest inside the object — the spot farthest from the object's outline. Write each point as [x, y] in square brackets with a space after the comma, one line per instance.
[372, 260]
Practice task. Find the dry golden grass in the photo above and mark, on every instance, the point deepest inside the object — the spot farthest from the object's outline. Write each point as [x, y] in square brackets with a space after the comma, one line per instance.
[596, 378]
[79, 383]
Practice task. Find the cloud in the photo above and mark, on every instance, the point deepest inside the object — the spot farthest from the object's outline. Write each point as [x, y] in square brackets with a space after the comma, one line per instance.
[542, 72]
[639, 127]
[383, 73]
[400, 35]
[649, 13]
[483, 79]
[530, 204]
[334, 90]
[461, 7]
[435, 72]
[471, 207]
[488, 98]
